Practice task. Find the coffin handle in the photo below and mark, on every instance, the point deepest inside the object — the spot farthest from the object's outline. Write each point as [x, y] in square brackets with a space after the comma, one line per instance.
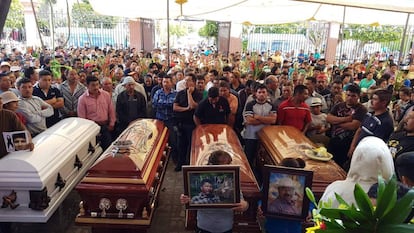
[10, 200]
[151, 192]
[78, 163]
[91, 148]
[39, 200]
[60, 182]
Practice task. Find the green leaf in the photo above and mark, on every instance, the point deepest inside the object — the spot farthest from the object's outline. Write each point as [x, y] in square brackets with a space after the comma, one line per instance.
[381, 186]
[387, 200]
[341, 214]
[348, 222]
[356, 214]
[341, 201]
[363, 201]
[331, 213]
[330, 231]
[401, 210]
[310, 195]
[332, 224]
[396, 228]
[326, 204]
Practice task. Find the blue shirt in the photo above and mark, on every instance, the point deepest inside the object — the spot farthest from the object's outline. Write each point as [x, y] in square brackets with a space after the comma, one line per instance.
[276, 225]
[162, 104]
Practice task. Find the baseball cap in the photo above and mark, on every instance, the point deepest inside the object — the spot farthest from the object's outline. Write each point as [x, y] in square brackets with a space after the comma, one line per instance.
[321, 77]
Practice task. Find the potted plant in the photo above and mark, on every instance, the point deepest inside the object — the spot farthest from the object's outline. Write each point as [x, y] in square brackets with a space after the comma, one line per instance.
[387, 216]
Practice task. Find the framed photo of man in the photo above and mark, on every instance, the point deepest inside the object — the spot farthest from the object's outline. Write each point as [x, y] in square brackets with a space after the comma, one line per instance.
[216, 186]
[16, 140]
[284, 192]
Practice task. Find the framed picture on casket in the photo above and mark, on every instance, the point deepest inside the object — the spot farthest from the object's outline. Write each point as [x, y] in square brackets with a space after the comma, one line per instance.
[216, 186]
[16, 140]
[284, 192]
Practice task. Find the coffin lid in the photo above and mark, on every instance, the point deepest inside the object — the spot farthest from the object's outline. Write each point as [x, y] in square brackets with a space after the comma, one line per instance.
[53, 148]
[208, 138]
[283, 142]
[131, 162]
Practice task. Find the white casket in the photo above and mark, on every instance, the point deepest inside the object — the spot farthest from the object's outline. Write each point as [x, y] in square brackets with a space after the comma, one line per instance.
[39, 180]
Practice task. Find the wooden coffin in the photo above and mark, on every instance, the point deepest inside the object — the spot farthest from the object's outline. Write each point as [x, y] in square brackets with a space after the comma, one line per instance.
[279, 142]
[121, 188]
[42, 178]
[209, 138]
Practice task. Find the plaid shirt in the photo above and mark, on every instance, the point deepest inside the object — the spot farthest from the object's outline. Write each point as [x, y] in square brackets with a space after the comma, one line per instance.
[202, 198]
[331, 101]
[163, 104]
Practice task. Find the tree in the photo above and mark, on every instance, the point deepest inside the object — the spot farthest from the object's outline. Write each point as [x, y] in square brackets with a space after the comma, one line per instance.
[84, 16]
[365, 34]
[286, 28]
[177, 31]
[210, 30]
[15, 17]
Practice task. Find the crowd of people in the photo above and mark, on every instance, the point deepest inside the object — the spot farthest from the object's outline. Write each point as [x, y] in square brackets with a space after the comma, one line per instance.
[335, 106]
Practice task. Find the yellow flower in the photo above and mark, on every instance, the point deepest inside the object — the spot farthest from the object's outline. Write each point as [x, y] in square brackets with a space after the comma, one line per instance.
[342, 207]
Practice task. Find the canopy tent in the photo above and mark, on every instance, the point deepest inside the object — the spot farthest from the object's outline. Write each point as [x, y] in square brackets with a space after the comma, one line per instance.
[264, 11]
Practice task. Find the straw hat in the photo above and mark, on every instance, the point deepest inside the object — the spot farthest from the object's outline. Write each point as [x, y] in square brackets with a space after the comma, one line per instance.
[8, 96]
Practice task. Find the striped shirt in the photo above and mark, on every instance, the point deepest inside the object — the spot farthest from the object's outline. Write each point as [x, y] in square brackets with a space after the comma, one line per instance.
[255, 108]
[71, 99]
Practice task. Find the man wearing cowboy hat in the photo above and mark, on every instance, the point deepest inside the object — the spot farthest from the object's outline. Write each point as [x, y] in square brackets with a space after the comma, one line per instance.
[285, 202]
[130, 104]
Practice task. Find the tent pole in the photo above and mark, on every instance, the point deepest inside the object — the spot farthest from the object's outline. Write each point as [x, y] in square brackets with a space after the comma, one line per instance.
[168, 33]
[403, 41]
[342, 36]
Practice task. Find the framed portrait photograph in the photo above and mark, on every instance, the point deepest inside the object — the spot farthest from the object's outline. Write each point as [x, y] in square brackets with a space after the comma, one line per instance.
[16, 140]
[216, 186]
[284, 192]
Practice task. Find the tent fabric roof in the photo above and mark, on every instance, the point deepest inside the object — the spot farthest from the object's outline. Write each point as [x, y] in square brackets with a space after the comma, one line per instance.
[264, 11]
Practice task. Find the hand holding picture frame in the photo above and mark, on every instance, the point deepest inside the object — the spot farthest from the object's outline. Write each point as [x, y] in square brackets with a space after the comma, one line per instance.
[216, 186]
[284, 192]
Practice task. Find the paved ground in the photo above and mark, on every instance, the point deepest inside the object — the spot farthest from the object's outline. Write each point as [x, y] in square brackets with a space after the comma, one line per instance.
[169, 216]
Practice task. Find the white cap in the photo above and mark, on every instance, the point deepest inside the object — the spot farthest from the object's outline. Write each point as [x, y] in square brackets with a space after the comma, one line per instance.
[127, 80]
[15, 68]
[5, 63]
[316, 102]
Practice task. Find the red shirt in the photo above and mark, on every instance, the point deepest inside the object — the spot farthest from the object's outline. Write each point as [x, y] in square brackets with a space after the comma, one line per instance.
[296, 116]
[21, 118]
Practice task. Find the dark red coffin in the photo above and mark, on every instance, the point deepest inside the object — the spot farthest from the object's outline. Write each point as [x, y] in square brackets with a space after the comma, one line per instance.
[121, 188]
